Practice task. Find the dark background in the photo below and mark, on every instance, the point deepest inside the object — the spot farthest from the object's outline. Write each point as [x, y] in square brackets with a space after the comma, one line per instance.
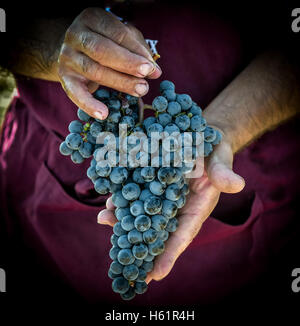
[31, 288]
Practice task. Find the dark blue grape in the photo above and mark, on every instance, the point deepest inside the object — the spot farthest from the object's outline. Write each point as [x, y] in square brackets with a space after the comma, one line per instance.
[123, 242]
[148, 173]
[145, 193]
[76, 157]
[171, 128]
[173, 192]
[163, 235]
[136, 176]
[167, 175]
[103, 171]
[172, 225]
[160, 104]
[114, 104]
[118, 175]
[166, 84]
[102, 94]
[149, 121]
[195, 110]
[198, 123]
[152, 205]
[125, 257]
[181, 201]
[130, 294]
[120, 285]
[154, 128]
[147, 266]
[102, 186]
[127, 120]
[218, 138]
[174, 108]
[140, 287]
[169, 208]
[118, 230]
[82, 115]
[95, 129]
[127, 222]
[120, 212]
[138, 262]
[150, 235]
[112, 275]
[116, 267]
[137, 208]
[74, 141]
[149, 257]
[183, 122]
[131, 272]
[64, 149]
[207, 149]
[142, 275]
[164, 119]
[169, 94]
[185, 101]
[75, 127]
[113, 253]
[140, 251]
[114, 239]
[156, 248]
[142, 223]
[209, 134]
[86, 150]
[159, 222]
[134, 236]
[131, 191]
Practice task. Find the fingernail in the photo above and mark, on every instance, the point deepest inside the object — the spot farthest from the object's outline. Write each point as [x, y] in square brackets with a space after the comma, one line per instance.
[99, 115]
[146, 68]
[100, 218]
[157, 66]
[141, 89]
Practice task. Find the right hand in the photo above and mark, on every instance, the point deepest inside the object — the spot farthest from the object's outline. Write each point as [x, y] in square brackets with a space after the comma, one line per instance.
[98, 49]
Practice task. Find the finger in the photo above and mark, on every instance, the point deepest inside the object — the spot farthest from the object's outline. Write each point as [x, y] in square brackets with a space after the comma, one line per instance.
[219, 170]
[109, 54]
[108, 77]
[106, 217]
[106, 24]
[110, 205]
[77, 90]
[190, 223]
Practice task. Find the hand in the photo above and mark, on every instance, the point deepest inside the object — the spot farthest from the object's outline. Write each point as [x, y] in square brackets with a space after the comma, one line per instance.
[98, 49]
[204, 194]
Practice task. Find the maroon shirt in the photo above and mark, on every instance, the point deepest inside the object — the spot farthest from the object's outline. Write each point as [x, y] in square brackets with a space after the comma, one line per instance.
[53, 203]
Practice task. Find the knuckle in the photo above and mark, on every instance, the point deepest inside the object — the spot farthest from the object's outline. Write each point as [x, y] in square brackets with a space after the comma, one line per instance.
[85, 40]
[120, 34]
[86, 65]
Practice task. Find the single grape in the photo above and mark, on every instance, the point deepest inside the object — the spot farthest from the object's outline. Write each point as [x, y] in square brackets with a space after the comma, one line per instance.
[160, 104]
[159, 222]
[64, 149]
[207, 149]
[148, 173]
[131, 191]
[131, 272]
[198, 123]
[140, 287]
[138, 262]
[157, 188]
[218, 138]
[163, 235]
[76, 157]
[91, 173]
[166, 84]
[127, 222]
[102, 186]
[114, 239]
[82, 115]
[167, 175]
[123, 242]
[120, 285]
[142, 275]
[140, 251]
[195, 110]
[209, 134]
[114, 104]
[86, 149]
[74, 141]
[150, 236]
[118, 230]
[174, 108]
[149, 257]
[152, 205]
[185, 101]
[137, 208]
[116, 267]
[172, 225]
[95, 129]
[136, 176]
[113, 253]
[156, 248]
[164, 118]
[181, 201]
[118, 199]
[142, 223]
[103, 171]
[169, 208]
[112, 275]
[75, 127]
[173, 192]
[130, 294]
[118, 175]
[125, 257]
[183, 122]
[115, 187]
[134, 236]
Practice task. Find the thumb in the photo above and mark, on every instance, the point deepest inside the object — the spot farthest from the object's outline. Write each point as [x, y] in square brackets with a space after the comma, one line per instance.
[219, 170]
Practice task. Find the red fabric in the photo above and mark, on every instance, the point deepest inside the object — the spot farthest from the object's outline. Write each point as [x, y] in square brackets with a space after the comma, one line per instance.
[54, 203]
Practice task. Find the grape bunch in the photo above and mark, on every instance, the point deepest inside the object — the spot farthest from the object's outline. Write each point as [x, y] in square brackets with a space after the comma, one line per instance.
[145, 168]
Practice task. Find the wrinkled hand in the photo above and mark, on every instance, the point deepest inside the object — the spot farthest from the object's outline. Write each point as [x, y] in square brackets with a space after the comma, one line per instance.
[204, 194]
[98, 49]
